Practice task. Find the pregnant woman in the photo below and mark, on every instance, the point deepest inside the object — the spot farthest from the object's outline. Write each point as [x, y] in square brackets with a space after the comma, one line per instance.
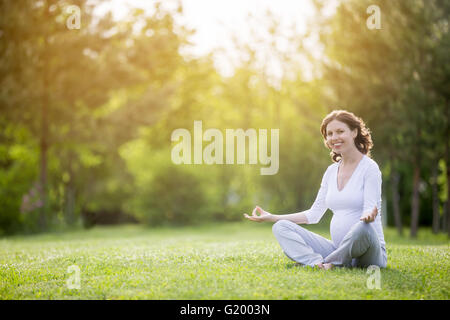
[351, 188]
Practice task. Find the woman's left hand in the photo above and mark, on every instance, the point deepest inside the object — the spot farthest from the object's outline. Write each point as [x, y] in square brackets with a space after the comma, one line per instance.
[370, 217]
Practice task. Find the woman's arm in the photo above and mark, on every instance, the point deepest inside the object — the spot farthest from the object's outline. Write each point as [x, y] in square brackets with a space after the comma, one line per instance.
[310, 216]
[372, 194]
[299, 217]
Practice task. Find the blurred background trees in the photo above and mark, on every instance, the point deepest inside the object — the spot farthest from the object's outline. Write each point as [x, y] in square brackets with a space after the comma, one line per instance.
[86, 114]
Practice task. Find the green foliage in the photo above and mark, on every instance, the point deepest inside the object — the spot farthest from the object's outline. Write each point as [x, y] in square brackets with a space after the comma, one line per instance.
[442, 181]
[99, 104]
[165, 193]
[18, 163]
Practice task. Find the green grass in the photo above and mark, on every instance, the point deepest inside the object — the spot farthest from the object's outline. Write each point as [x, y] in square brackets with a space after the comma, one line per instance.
[226, 261]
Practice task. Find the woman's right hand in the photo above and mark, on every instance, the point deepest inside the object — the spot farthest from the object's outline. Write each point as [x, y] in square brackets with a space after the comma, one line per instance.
[263, 215]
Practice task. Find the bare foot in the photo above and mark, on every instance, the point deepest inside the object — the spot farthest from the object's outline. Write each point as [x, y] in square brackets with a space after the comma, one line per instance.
[328, 266]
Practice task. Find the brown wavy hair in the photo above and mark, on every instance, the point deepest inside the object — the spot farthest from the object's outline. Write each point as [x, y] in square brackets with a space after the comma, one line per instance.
[363, 140]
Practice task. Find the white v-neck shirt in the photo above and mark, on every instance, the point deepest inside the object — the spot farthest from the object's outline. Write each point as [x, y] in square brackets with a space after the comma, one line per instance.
[360, 195]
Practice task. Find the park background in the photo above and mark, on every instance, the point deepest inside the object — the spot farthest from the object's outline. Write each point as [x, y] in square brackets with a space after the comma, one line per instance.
[86, 117]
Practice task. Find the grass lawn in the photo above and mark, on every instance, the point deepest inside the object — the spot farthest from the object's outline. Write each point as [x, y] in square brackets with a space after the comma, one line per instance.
[226, 261]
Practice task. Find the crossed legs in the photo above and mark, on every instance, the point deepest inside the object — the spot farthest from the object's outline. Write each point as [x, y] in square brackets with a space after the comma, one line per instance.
[359, 248]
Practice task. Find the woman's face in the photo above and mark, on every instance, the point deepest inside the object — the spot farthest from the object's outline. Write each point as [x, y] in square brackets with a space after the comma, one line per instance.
[339, 136]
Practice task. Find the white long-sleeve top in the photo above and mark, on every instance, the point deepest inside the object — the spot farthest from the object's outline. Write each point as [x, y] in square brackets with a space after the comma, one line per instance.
[360, 195]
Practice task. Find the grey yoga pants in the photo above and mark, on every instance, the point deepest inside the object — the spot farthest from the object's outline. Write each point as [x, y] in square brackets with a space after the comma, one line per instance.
[359, 248]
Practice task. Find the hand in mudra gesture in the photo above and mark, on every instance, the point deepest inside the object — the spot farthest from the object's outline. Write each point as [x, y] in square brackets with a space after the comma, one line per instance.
[263, 215]
[370, 217]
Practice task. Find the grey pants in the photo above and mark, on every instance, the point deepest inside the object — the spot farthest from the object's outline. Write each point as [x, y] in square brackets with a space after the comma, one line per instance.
[359, 248]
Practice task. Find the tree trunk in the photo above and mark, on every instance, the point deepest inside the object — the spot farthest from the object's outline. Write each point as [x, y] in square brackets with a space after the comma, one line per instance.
[44, 135]
[70, 203]
[447, 165]
[70, 193]
[415, 199]
[395, 178]
[434, 186]
[444, 217]
[43, 169]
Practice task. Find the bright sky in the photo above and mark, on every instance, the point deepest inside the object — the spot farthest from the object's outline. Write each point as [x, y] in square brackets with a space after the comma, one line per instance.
[217, 20]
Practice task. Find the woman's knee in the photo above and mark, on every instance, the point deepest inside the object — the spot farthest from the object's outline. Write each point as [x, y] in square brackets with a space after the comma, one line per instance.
[362, 227]
[281, 225]
[359, 231]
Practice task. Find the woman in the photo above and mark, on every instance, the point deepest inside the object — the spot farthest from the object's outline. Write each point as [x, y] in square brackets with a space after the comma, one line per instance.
[351, 188]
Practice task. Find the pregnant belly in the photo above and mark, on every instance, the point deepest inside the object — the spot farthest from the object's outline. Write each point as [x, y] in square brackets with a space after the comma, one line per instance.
[340, 226]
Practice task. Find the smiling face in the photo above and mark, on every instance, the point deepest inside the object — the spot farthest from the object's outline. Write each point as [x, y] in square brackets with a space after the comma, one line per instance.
[339, 136]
